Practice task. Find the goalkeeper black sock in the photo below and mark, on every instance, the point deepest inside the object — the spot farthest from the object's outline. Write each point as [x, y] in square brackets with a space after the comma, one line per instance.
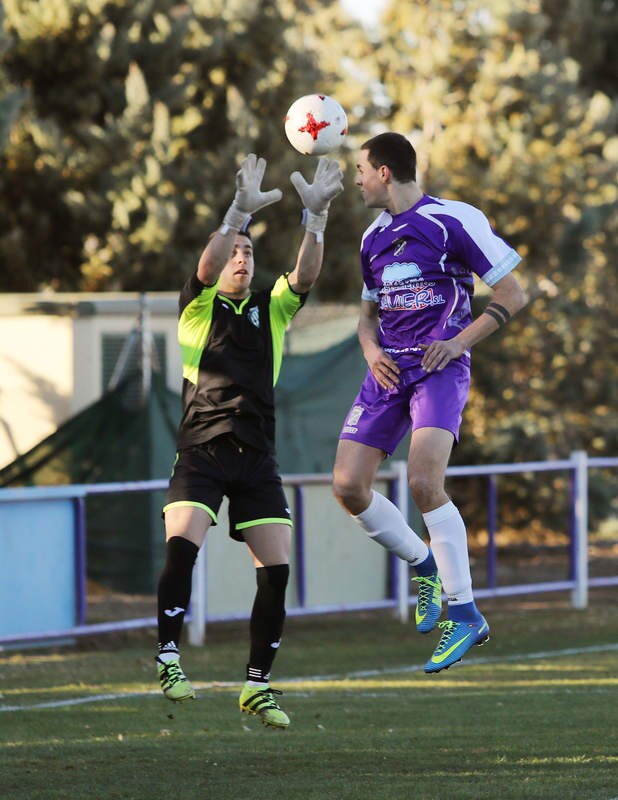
[267, 618]
[174, 591]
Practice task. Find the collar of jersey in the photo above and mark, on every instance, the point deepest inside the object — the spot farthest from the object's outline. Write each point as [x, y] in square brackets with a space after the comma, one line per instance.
[231, 303]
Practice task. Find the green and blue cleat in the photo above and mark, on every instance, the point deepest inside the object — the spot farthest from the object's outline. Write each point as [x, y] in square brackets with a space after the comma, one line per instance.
[174, 683]
[261, 702]
[429, 602]
[457, 638]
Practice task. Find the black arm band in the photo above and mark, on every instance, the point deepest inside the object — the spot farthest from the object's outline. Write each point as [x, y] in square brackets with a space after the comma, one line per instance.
[501, 310]
[495, 315]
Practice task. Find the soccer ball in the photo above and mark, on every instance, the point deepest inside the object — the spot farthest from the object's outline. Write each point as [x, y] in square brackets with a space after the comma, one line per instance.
[315, 124]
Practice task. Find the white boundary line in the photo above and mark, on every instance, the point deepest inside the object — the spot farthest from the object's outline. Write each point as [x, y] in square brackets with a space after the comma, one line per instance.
[360, 674]
[370, 673]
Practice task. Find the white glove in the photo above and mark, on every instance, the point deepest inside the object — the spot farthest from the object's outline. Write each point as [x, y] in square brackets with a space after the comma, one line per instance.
[249, 197]
[316, 196]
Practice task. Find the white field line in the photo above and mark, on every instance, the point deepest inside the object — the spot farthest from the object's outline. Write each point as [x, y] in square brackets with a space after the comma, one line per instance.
[370, 673]
[360, 674]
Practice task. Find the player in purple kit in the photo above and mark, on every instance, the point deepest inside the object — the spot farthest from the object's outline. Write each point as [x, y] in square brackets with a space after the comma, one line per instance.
[415, 330]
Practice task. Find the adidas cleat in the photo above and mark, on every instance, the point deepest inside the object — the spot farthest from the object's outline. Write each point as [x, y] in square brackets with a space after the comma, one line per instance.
[261, 702]
[429, 602]
[174, 683]
[457, 638]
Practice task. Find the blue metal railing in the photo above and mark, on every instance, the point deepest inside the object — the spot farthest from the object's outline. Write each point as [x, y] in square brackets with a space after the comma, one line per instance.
[578, 581]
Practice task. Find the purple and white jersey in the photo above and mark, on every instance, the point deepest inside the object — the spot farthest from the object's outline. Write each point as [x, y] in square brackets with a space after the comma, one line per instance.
[418, 267]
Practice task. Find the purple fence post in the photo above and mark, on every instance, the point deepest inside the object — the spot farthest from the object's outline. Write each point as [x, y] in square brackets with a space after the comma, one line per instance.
[79, 527]
[492, 524]
[299, 524]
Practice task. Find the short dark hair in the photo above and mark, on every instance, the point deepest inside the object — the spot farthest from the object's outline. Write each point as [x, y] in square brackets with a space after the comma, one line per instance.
[246, 233]
[393, 151]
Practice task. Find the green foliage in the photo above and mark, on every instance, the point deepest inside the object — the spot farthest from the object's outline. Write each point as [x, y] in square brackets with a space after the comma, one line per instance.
[124, 159]
[11, 98]
[588, 31]
[502, 118]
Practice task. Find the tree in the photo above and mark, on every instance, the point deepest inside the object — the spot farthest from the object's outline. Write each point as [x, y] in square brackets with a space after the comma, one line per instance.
[587, 30]
[503, 119]
[11, 98]
[123, 159]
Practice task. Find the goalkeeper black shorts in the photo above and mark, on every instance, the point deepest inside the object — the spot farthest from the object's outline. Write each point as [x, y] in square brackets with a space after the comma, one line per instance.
[249, 478]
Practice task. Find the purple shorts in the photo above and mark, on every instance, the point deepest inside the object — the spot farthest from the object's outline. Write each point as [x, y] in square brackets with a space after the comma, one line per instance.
[381, 418]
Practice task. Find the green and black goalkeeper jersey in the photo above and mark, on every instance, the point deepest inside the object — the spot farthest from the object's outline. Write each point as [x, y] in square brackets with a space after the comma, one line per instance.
[231, 357]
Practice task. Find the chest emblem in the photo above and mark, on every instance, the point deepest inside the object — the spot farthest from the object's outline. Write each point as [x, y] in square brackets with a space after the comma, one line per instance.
[400, 246]
[254, 316]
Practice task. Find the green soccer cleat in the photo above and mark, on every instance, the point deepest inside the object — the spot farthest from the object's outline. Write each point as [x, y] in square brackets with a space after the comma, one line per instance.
[174, 683]
[457, 638]
[429, 602]
[261, 702]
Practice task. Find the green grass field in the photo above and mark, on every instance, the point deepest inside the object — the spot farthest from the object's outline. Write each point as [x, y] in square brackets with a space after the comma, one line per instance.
[533, 714]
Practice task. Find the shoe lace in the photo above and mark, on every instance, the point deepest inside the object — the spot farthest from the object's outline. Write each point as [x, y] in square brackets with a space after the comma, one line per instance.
[448, 626]
[172, 672]
[426, 588]
[267, 698]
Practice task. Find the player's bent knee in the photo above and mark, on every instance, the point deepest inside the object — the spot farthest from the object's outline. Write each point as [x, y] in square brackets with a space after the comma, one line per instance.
[353, 497]
[426, 493]
[343, 487]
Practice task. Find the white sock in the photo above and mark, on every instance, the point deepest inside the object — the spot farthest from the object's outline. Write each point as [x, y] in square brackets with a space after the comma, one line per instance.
[383, 522]
[449, 545]
[165, 657]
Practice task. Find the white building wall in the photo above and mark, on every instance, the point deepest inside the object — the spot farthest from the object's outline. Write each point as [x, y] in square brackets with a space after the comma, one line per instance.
[51, 357]
[36, 380]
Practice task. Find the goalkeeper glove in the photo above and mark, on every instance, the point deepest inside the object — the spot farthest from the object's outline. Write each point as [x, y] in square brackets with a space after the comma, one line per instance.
[316, 196]
[249, 197]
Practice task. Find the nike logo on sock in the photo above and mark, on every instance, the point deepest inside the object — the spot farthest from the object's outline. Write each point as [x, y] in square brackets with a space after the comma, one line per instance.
[173, 612]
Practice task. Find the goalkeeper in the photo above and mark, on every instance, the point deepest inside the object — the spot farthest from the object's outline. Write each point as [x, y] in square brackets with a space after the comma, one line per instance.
[232, 343]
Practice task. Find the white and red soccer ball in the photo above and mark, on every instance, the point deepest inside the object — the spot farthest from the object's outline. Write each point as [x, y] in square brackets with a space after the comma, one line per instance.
[316, 124]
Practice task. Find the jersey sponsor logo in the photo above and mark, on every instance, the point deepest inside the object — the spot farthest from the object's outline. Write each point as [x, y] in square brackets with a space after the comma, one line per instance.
[412, 299]
[254, 316]
[400, 272]
[404, 350]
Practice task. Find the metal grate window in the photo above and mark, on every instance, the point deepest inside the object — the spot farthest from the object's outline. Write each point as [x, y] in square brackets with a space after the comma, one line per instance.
[112, 346]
